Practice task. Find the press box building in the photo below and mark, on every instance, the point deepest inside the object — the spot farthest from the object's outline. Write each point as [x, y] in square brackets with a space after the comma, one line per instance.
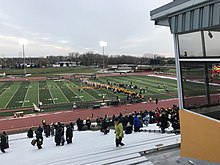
[195, 25]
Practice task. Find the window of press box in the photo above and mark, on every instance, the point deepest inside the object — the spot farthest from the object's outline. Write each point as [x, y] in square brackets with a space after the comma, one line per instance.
[201, 87]
[212, 39]
[193, 84]
[190, 45]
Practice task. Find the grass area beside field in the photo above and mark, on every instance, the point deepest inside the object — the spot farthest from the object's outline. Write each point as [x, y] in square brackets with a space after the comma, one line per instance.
[50, 71]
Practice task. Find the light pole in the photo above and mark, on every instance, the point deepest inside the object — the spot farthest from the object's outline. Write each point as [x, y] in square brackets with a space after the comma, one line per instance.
[23, 42]
[103, 44]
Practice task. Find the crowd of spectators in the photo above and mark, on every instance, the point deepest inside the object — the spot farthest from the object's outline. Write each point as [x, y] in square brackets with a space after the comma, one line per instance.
[163, 117]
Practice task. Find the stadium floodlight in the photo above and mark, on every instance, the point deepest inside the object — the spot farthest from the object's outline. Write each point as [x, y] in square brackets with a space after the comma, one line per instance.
[103, 44]
[23, 42]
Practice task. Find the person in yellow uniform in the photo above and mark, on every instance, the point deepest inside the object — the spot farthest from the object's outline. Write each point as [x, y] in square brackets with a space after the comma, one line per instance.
[119, 132]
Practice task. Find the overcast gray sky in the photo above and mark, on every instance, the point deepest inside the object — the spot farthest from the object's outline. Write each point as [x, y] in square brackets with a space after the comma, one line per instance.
[57, 27]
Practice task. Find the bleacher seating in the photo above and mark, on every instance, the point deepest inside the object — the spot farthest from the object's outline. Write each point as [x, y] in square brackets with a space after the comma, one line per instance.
[131, 153]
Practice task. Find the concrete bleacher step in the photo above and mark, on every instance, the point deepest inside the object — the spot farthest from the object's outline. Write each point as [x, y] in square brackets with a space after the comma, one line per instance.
[158, 131]
[145, 163]
[102, 157]
[132, 161]
[112, 155]
[107, 160]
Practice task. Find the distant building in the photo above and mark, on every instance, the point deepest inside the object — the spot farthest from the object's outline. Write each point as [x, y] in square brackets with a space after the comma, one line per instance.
[65, 64]
[126, 67]
[123, 68]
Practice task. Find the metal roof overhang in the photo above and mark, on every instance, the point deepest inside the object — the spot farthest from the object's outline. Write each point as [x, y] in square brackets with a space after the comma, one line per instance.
[188, 15]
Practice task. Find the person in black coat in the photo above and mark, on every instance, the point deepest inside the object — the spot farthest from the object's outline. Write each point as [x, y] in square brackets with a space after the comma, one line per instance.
[104, 127]
[72, 125]
[88, 123]
[40, 129]
[163, 120]
[30, 133]
[131, 119]
[79, 124]
[124, 121]
[175, 122]
[128, 128]
[156, 100]
[47, 130]
[4, 142]
[39, 139]
[59, 135]
[69, 134]
[62, 134]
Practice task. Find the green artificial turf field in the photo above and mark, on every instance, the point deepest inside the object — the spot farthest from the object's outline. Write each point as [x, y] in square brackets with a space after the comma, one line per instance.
[21, 94]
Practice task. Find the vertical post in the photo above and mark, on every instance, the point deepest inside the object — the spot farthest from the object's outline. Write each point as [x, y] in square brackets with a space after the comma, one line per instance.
[103, 44]
[178, 71]
[23, 42]
[103, 67]
[24, 61]
[206, 73]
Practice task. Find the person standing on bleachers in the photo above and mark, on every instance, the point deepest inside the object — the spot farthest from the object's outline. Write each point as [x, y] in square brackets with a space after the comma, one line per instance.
[152, 117]
[59, 135]
[175, 121]
[43, 122]
[163, 122]
[52, 127]
[146, 118]
[128, 129]
[40, 129]
[4, 141]
[119, 132]
[137, 123]
[124, 121]
[88, 123]
[39, 139]
[30, 133]
[79, 124]
[104, 127]
[69, 134]
[47, 130]
[131, 119]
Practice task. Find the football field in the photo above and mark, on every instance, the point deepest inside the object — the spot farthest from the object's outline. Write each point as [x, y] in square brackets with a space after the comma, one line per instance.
[23, 94]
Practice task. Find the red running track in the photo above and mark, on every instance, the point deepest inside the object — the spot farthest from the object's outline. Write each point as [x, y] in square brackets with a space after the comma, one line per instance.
[11, 124]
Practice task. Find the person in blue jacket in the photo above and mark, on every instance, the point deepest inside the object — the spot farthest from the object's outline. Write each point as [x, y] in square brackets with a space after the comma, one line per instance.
[137, 123]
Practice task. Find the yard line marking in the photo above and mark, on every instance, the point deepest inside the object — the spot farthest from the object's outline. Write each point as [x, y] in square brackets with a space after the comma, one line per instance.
[62, 92]
[12, 96]
[38, 90]
[110, 93]
[84, 92]
[50, 93]
[6, 90]
[90, 95]
[25, 96]
[74, 92]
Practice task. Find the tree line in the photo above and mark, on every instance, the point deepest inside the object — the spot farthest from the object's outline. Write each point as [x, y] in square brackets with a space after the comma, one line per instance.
[85, 59]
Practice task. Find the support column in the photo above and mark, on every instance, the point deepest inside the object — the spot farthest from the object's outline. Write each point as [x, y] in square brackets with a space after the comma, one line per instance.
[178, 73]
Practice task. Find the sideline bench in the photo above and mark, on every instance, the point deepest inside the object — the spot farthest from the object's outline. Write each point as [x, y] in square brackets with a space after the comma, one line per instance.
[96, 106]
[18, 114]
